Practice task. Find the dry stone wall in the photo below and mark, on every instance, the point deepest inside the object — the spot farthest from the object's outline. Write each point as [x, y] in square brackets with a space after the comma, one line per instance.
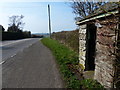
[105, 54]
[82, 47]
[105, 51]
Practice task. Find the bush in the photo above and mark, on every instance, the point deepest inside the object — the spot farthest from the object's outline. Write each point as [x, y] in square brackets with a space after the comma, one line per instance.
[15, 35]
[12, 35]
[26, 34]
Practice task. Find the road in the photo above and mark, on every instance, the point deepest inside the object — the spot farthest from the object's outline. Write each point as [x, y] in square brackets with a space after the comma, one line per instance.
[12, 47]
[33, 67]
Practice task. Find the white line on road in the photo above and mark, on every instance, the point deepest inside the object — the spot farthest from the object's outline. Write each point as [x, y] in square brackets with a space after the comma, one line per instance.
[2, 62]
[13, 55]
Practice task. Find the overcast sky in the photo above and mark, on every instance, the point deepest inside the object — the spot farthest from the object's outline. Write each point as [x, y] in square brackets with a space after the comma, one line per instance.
[36, 15]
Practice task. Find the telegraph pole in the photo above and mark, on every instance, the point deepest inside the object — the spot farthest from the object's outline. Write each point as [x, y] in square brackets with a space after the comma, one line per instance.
[49, 20]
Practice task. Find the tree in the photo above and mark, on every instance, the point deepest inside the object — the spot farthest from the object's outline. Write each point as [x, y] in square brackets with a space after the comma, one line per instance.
[2, 28]
[16, 24]
[27, 34]
[83, 9]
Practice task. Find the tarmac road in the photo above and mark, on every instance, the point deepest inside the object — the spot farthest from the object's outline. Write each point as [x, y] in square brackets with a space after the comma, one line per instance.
[12, 47]
[34, 67]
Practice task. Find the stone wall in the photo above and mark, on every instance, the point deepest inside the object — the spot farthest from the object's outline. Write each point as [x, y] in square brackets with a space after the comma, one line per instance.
[82, 47]
[105, 53]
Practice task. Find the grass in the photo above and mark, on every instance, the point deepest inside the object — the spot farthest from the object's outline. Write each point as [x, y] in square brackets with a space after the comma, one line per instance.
[91, 84]
[64, 57]
[69, 38]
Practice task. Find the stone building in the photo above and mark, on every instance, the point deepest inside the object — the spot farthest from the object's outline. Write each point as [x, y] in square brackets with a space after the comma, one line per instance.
[98, 36]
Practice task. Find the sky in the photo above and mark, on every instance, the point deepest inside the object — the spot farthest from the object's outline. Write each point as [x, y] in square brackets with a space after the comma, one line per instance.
[36, 15]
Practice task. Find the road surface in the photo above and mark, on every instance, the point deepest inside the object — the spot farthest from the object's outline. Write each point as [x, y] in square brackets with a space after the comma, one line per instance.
[34, 67]
[12, 47]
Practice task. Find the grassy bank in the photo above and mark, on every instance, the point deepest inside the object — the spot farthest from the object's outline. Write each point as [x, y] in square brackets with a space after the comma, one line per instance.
[64, 56]
[68, 38]
[65, 59]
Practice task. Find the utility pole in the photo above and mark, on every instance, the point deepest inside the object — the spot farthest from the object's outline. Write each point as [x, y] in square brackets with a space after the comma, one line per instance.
[49, 20]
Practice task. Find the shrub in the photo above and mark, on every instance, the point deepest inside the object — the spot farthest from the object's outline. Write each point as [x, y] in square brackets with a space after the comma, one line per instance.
[12, 35]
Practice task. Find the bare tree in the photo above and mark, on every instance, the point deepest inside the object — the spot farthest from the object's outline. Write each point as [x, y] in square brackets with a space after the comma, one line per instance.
[84, 8]
[16, 24]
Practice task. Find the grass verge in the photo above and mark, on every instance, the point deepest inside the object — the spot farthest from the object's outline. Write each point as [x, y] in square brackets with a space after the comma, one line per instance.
[65, 57]
[90, 84]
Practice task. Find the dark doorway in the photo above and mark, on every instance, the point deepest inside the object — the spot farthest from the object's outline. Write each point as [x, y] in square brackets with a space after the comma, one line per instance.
[90, 47]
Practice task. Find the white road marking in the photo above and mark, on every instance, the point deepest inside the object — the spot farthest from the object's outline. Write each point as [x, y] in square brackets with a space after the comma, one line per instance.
[2, 62]
[13, 55]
